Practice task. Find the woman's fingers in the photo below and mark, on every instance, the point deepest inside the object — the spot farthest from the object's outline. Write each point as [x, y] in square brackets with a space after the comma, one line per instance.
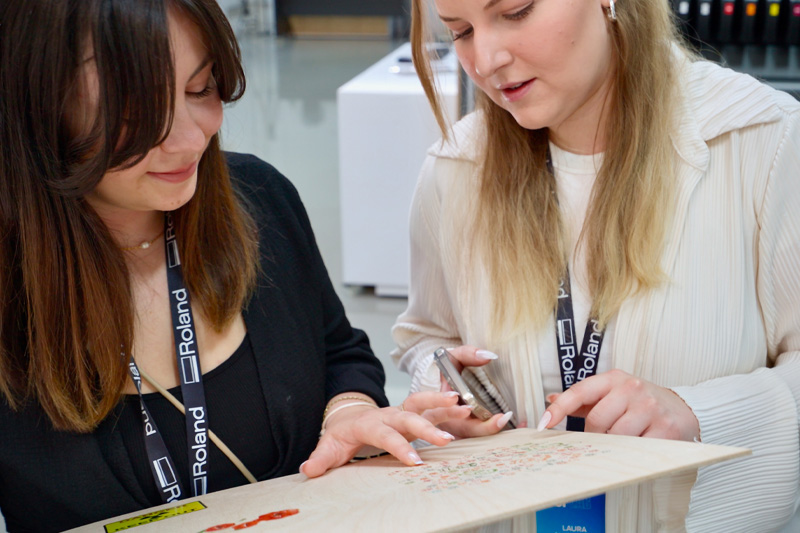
[579, 398]
[418, 402]
[443, 414]
[408, 426]
[328, 454]
[619, 403]
[370, 428]
[470, 356]
[607, 413]
[389, 429]
[463, 356]
[473, 427]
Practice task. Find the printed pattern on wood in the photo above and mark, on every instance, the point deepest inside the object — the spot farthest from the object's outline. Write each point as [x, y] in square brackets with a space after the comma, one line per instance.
[495, 463]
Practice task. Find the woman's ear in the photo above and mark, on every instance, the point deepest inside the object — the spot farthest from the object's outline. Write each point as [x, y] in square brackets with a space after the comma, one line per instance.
[609, 9]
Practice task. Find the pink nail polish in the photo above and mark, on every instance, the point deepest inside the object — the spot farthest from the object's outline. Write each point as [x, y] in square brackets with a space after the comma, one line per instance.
[449, 394]
[503, 420]
[415, 458]
[486, 355]
[544, 421]
[445, 435]
[301, 467]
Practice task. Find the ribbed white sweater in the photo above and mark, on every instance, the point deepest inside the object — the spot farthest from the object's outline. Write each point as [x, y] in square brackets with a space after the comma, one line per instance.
[724, 333]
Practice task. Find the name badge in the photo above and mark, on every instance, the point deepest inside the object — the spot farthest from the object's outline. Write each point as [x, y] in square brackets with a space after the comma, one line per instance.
[586, 516]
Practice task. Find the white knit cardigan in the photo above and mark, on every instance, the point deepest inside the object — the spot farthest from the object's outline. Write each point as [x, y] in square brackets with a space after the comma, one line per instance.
[724, 333]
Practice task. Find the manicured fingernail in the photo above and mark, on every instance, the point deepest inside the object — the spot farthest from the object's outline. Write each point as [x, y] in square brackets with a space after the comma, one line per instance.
[444, 435]
[503, 420]
[415, 458]
[551, 397]
[544, 421]
[449, 394]
[301, 467]
[486, 355]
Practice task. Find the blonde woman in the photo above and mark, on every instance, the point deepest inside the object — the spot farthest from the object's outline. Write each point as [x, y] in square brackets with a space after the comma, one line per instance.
[661, 193]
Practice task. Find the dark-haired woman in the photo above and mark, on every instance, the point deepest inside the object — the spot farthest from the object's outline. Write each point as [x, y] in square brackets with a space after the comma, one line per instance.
[145, 273]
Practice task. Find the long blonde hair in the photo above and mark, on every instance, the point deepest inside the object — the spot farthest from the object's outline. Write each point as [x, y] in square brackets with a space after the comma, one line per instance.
[518, 232]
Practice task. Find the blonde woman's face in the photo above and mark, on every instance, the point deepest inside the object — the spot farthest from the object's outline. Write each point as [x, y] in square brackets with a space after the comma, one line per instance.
[167, 177]
[548, 62]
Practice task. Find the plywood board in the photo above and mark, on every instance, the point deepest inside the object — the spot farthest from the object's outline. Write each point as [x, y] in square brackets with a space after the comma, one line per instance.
[466, 483]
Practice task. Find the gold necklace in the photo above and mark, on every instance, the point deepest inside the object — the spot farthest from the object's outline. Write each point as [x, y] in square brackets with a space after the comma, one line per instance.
[144, 245]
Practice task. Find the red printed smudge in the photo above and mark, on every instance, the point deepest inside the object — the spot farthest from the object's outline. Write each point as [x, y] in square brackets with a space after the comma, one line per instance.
[278, 514]
[263, 518]
[247, 524]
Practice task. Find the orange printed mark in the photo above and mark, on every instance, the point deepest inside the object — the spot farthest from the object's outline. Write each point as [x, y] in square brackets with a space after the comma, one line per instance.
[278, 514]
[263, 518]
[751, 10]
[246, 524]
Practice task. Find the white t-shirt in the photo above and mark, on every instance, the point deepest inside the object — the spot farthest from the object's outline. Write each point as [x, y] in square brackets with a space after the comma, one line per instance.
[575, 176]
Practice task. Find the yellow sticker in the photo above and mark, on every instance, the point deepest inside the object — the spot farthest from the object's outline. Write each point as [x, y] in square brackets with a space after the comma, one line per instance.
[154, 516]
[775, 10]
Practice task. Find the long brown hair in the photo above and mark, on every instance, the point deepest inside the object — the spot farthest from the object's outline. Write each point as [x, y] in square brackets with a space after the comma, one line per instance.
[66, 309]
[518, 231]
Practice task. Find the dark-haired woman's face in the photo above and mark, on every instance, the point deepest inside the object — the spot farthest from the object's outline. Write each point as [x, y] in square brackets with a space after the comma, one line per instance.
[167, 177]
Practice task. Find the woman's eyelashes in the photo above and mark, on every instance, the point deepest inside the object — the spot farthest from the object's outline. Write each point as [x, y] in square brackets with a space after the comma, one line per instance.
[521, 14]
[515, 16]
[210, 88]
[459, 35]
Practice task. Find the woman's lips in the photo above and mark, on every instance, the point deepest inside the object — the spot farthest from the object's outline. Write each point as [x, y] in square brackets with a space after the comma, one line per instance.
[512, 93]
[176, 176]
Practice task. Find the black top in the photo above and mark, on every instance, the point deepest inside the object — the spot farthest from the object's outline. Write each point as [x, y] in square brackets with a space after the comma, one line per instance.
[305, 352]
[231, 389]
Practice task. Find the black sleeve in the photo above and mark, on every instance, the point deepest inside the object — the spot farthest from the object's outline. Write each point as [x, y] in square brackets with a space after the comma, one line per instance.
[285, 235]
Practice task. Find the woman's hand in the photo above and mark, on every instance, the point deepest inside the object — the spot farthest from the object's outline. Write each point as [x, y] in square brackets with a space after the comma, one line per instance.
[472, 426]
[469, 356]
[616, 402]
[389, 428]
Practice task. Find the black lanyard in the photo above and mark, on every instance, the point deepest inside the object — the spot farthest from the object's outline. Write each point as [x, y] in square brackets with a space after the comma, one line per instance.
[194, 399]
[574, 366]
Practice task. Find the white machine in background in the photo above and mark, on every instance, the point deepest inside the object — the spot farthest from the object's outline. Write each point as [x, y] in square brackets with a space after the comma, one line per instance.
[385, 128]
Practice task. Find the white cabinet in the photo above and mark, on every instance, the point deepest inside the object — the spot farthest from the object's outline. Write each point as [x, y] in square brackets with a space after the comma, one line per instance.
[385, 128]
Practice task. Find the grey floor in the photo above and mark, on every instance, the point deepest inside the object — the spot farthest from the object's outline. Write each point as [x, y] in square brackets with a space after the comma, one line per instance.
[288, 118]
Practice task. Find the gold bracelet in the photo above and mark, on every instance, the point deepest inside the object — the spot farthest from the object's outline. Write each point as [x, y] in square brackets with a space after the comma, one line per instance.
[341, 398]
[345, 406]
